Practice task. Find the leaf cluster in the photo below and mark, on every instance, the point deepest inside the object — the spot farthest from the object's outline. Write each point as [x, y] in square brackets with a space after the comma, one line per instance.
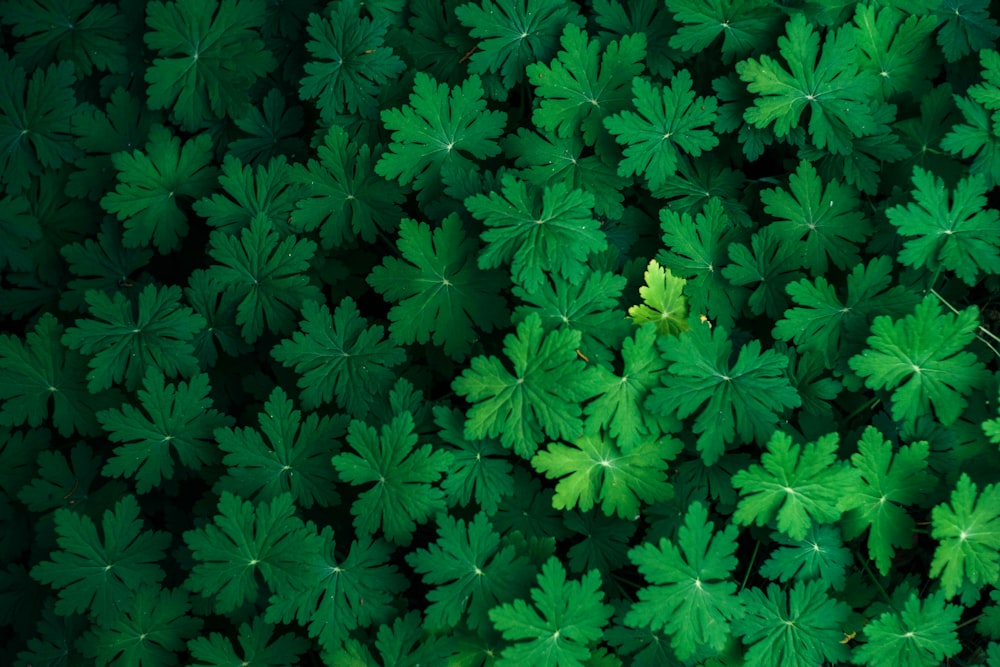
[499, 332]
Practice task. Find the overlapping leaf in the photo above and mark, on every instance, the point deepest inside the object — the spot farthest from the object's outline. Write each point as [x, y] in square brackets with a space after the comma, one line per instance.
[175, 419]
[922, 359]
[402, 475]
[796, 486]
[735, 401]
[339, 356]
[540, 398]
[441, 295]
[693, 595]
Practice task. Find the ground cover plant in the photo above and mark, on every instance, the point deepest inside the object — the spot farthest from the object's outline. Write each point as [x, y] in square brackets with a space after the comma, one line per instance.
[499, 332]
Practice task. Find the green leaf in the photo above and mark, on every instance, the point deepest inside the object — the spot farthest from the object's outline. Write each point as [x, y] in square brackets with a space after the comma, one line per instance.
[19, 230]
[820, 556]
[830, 83]
[889, 482]
[273, 130]
[122, 125]
[124, 343]
[549, 159]
[150, 631]
[968, 532]
[697, 182]
[100, 575]
[577, 92]
[745, 27]
[350, 62]
[219, 311]
[105, 265]
[401, 474]
[65, 479]
[176, 417]
[541, 398]
[979, 136]
[671, 122]
[513, 34]
[618, 20]
[81, 32]
[991, 428]
[436, 133]
[566, 617]
[987, 93]
[989, 623]
[618, 404]
[641, 646]
[872, 154]
[896, 48]
[285, 454]
[920, 358]
[529, 514]
[209, 54]
[344, 198]
[270, 192]
[923, 634]
[439, 292]
[537, 230]
[695, 248]
[19, 451]
[768, 263]
[799, 486]
[590, 306]
[470, 572]
[965, 26]
[55, 639]
[594, 471]
[35, 121]
[266, 274]
[693, 595]
[246, 539]
[256, 648]
[480, 470]
[821, 222]
[811, 379]
[736, 400]
[339, 356]
[404, 643]
[800, 627]
[834, 327]
[433, 38]
[921, 131]
[601, 542]
[40, 370]
[338, 594]
[664, 302]
[964, 238]
[151, 184]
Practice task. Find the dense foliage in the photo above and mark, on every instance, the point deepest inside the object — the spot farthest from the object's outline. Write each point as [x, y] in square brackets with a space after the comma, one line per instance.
[499, 332]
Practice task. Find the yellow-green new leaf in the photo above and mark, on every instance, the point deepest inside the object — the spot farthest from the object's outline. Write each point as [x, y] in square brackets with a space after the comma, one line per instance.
[664, 301]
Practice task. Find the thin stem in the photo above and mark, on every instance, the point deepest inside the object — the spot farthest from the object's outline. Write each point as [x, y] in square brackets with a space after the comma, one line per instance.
[871, 575]
[969, 622]
[868, 404]
[981, 328]
[625, 580]
[753, 559]
[933, 281]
